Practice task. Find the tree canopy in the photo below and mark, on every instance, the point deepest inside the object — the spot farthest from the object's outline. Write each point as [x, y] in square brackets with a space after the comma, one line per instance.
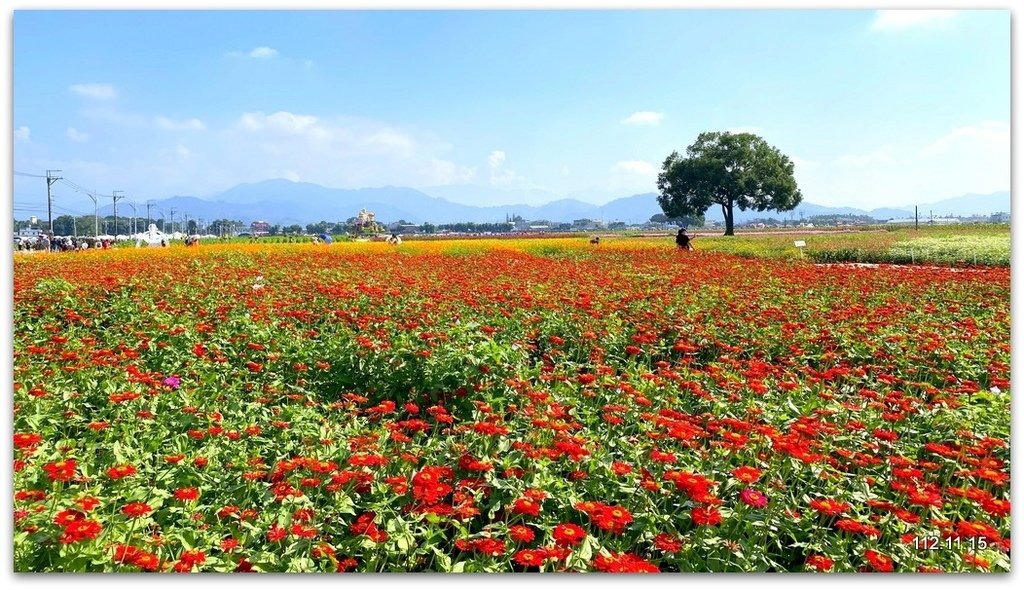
[730, 170]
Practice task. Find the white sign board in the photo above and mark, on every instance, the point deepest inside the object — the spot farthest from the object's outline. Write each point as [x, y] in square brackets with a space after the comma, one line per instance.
[800, 243]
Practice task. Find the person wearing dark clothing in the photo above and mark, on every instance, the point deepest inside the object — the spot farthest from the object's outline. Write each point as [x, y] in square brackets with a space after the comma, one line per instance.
[683, 240]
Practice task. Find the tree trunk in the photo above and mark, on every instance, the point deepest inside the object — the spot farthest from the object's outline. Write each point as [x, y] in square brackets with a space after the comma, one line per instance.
[727, 214]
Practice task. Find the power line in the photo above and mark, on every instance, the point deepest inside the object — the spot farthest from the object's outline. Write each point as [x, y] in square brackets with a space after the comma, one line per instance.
[27, 174]
[81, 189]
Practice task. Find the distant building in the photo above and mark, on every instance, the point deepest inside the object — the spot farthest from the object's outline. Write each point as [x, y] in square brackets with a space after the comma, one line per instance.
[259, 228]
[403, 228]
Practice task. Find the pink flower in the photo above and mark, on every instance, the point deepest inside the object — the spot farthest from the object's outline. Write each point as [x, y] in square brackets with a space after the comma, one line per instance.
[752, 497]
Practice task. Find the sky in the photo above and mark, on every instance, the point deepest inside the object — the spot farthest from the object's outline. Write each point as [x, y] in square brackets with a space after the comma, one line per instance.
[875, 107]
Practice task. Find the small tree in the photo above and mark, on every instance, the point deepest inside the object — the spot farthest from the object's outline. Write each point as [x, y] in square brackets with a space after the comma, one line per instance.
[730, 170]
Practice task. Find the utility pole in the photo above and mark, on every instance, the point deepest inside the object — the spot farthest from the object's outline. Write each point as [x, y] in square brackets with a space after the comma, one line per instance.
[172, 220]
[116, 198]
[132, 205]
[186, 223]
[50, 179]
[915, 217]
[95, 214]
[149, 205]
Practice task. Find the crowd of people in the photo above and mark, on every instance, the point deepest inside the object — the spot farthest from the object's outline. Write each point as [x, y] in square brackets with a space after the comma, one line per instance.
[46, 243]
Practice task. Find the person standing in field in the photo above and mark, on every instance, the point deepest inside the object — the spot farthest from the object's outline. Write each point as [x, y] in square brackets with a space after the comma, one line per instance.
[683, 240]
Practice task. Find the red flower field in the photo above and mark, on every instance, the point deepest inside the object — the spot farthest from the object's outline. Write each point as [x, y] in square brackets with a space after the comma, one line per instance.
[506, 406]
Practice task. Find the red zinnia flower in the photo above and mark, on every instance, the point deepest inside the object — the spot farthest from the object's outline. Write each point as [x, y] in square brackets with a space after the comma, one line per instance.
[136, 509]
[668, 543]
[60, 470]
[747, 474]
[147, 561]
[276, 533]
[530, 557]
[81, 530]
[520, 533]
[66, 517]
[569, 534]
[706, 515]
[125, 553]
[526, 506]
[88, 503]
[621, 468]
[303, 531]
[193, 556]
[611, 518]
[819, 562]
[855, 527]
[186, 494]
[121, 471]
[829, 506]
[25, 440]
[623, 563]
[879, 561]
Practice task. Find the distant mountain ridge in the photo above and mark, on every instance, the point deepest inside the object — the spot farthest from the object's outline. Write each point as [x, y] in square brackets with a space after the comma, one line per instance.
[285, 202]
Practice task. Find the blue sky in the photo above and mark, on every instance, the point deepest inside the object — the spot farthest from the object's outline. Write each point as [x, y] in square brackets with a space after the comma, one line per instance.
[876, 108]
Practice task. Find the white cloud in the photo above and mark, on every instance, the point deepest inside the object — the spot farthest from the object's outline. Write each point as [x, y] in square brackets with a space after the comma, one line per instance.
[391, 140]
[281, 122]
[643, 118]
[899, 20]
[336, 151]
[631, 177]
[496, 159]
[23, 133]
[263, 52]
[500, 175]
[77, 136]
[971, 158]
[565, 170]
[192, 124]
[291, 175]
[95, 91]
[440, 172]
[634, 167]
[992, 133]
[744, 129]
[803, 164]
[873, 157]
[182, 151]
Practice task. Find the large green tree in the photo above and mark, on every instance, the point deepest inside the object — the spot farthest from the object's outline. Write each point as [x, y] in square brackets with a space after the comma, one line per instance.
[731, 170]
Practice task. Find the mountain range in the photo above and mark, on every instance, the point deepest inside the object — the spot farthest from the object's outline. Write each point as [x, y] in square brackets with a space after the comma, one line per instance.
[286, 202]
